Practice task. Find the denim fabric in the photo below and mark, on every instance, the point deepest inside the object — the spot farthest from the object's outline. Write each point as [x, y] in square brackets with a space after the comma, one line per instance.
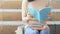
[29, 30]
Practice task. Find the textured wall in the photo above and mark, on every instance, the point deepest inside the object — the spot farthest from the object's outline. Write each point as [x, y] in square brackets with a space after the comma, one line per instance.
[10, 4]
[10, 16]
[55, 4]
[8, 29]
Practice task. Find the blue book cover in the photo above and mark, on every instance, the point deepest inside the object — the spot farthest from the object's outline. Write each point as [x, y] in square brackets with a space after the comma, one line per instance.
[39, 14]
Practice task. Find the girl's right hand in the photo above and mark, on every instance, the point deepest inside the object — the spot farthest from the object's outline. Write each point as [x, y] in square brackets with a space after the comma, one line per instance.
[44, 28]
[27, 18]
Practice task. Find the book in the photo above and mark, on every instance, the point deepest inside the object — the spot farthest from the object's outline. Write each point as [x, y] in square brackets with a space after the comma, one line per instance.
[38, 16]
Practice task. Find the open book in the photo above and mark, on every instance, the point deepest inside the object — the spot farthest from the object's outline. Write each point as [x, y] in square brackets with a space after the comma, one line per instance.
[38, 15]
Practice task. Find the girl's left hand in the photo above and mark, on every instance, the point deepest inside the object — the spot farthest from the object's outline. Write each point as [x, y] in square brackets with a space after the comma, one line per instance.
[44, 28]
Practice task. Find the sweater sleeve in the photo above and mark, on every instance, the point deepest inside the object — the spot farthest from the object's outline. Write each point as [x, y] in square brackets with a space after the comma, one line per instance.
[24, 8]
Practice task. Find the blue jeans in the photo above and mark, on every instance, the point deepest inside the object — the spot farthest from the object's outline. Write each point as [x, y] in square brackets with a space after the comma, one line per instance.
[29, 30]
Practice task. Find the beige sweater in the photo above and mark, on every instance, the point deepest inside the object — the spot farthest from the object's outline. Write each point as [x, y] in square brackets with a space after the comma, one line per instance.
[37, 4]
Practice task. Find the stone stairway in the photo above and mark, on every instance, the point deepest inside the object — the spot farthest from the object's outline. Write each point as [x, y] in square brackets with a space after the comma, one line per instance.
[10, 15]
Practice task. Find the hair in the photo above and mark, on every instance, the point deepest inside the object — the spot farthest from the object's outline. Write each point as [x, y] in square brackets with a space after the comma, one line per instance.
[30, 0]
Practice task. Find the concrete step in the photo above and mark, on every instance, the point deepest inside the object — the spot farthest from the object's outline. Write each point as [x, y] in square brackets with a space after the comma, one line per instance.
[15, 14]
[10, 4]
[17, 23]
[12, 23]
[55, 4]
[10, 14]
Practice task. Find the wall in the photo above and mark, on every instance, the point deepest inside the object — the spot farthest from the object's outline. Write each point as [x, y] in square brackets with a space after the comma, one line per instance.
[10, 4]
[55, 4]
[7, 29]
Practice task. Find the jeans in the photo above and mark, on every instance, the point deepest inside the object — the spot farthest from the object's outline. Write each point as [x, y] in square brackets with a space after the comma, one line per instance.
[29, 30]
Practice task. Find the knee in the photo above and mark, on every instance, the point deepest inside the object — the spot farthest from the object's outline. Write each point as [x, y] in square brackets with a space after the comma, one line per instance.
[47, 31]
[35, 32]
[42, 32]
[30, 31]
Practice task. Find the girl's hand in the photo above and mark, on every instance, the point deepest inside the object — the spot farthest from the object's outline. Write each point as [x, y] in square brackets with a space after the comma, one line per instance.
[25, 19]
[49, 14]
[44, 28]
[29, 17]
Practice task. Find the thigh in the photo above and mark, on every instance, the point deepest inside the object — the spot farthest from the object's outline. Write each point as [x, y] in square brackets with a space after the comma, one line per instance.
[29, 30]
[47, 31]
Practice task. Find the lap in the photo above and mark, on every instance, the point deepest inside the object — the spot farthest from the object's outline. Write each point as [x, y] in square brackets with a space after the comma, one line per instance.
[47, 31]
[29, 30]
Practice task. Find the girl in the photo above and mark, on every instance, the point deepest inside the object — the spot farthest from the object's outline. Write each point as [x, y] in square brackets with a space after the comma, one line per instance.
[34, 6]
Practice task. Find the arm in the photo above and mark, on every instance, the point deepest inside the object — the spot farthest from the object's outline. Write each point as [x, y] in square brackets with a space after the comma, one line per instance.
[24, 9]
[25, 16]
[38, 28]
